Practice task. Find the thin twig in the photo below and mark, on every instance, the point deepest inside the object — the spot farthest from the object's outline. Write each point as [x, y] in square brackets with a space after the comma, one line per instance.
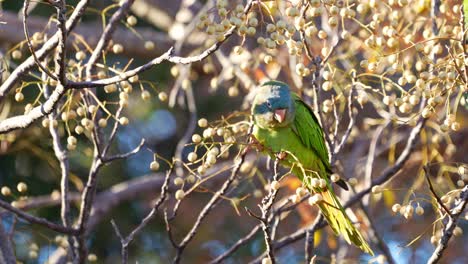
[128, 239]
[267, 203]
[237, 245]
[309, 241]
[352, 120]
[125, 155]
[30, 46]
[431, 188]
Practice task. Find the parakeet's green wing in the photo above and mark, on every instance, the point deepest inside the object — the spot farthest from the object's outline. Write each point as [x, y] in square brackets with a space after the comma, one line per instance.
[308, 129]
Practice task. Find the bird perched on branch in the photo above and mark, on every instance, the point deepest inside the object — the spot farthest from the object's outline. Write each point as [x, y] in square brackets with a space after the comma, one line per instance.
[286, 128]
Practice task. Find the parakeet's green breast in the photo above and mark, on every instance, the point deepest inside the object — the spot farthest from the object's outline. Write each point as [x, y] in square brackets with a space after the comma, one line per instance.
[284, 139]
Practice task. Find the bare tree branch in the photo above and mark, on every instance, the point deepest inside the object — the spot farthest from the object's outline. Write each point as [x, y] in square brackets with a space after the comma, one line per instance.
[450, 226]
[7, 254]
[49, 46]
[206, 210]
[38, 220]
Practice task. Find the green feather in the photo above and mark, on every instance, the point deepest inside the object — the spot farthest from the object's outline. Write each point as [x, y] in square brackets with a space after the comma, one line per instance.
[302, 139]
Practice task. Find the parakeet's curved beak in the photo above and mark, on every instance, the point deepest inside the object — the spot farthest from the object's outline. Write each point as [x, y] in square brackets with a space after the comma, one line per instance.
[280, 115]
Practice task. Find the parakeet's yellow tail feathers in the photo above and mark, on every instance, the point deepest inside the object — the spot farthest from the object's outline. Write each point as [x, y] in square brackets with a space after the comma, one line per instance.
[340, 223]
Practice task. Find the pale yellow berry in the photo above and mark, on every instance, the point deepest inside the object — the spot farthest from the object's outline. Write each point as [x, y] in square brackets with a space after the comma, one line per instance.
[6, 191]
[275, 185]
[322, 183]
[71, 147]
[45, 122]
[211, 159]
[16, 54]
[110, 88]
[80, 55]
[335, 177]
[209, 132]
[145, 95]
[180, 194]
[102, 122]
[131, 21]
[266, 261]
[123, 121]
[22, 187]
[233, 91]
[388, 100]
[202, 122]
[178, 181]
[28, 108]
[19, 97]
[458, 231]
[196, 138]
[246, 167]
[192, 156]
[333, 22]
[92, 109]
[311, 31]
[409, 210]
[301, 192]
[315, 183]
[455, 126]
[92, 258]
[322, 34]
[462, 170]
[405, 108]
[149, 45]
[327, 86]
[117, 48]
[154, 166]
[126, 86]
[162, 96]
[345, 35]
[201, 170]
[34, 247]
[191, 179]
[315, 199]
[362, 98]
[419, 210]
[376, 189]
[414, 99]
[426, 113]
[214, 151]
[292, 11]
[71, 140]
[396, 208]
[79, 129]
[33, 254]
[267, 59]
[257, 193]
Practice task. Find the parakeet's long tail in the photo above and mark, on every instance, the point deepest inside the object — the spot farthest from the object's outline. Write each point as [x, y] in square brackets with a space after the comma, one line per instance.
[340, 223]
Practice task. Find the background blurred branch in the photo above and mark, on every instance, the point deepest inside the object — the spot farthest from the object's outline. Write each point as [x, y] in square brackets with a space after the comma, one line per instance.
[7, 254]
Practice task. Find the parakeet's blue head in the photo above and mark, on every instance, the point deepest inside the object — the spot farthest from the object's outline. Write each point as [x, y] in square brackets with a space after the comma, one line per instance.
[273, 105]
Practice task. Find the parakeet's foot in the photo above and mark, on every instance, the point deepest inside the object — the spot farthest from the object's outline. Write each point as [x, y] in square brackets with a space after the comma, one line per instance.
[253, 144]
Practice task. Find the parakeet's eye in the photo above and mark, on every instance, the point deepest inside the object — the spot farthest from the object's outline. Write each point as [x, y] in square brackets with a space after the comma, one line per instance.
[268, 104]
